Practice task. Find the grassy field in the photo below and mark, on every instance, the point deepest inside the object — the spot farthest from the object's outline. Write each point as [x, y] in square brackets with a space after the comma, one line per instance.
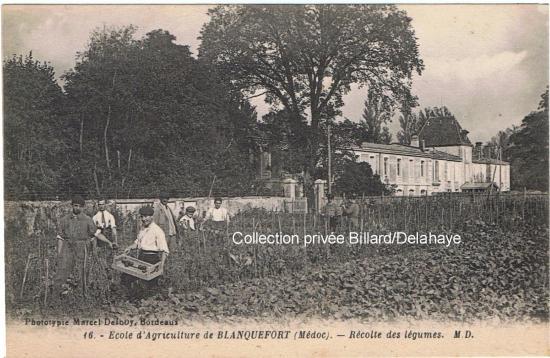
[500, 271]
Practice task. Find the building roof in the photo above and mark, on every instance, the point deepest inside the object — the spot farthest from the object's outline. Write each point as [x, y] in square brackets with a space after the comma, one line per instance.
[443, 131]
[489, 161]
[400, 149]
[471, 186]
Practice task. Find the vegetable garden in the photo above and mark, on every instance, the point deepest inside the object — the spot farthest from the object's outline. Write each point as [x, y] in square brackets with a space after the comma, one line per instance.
[499, 271]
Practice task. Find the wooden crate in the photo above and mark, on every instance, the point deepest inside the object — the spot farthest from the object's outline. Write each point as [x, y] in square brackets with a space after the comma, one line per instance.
[137, 268]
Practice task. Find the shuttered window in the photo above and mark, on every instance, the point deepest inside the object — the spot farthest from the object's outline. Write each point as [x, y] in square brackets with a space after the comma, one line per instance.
[398, 166]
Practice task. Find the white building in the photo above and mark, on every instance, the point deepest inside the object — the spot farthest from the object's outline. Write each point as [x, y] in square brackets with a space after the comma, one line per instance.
[439, 159]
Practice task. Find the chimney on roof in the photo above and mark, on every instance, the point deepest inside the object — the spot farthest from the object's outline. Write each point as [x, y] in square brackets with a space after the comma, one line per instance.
[423, 147]
[414, 141]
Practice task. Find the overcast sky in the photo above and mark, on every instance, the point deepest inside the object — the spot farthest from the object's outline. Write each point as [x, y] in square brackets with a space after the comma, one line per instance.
[487, 63]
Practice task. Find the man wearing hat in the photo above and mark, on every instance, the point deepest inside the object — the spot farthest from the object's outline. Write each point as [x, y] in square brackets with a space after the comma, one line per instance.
[164, 218]
[150, 243]
[76, 232]
[105, 223]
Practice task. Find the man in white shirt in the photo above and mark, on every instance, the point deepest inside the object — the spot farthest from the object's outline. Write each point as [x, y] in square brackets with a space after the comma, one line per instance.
[151, 245]
[217, 217]
[105, 223]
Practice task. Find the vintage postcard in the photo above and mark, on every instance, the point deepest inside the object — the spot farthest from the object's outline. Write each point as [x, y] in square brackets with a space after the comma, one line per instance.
[335, 180]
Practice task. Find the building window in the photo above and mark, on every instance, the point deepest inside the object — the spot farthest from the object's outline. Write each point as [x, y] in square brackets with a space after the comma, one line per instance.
[454, 171]
[398, 166]
[411, 192]
[411, 168]
[373, 165]
[386, 166]
[421, 168]
[436, 170]
[446, 170]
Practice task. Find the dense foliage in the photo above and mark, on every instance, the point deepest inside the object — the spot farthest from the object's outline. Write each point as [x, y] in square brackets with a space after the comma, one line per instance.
[494, 277]
[136, 117]
[305, 58]
[376, 114]
[528, 150]
[525, 147]
[411, 123]
[499, 271]
[357, 178]
[34, 128]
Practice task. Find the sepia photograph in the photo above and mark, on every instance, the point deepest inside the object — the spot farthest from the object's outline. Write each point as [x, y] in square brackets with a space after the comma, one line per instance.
[266, 180]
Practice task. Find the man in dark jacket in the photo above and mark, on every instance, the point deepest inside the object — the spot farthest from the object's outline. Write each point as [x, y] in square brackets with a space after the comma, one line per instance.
[76, 232]
[164, 218]
[332, 213]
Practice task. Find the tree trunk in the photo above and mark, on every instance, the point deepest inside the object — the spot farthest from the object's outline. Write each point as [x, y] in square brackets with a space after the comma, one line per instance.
[311, 158]
[127, 171]
[107, 160]
[96, 182]
[105, 141]
[129, 160]
[80, 139]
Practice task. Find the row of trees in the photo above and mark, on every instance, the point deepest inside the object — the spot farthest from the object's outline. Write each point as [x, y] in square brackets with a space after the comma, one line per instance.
[525, 148]
[136, 116]
[411, 123]
[139, 116]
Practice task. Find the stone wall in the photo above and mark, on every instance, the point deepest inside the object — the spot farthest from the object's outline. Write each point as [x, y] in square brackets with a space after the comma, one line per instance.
[34, 216]
[233, 205]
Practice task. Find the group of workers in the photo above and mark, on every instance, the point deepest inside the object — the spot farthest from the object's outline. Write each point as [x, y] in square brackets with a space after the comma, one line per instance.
[78, 234]
[345, 215]
[158, 233]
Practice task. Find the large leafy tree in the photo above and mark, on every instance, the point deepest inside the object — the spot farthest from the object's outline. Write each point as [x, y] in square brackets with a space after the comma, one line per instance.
[501, 141]
[284, 138]
[306, 57]
[376, 115]
[148, 117]
[138, 116]
[344, 135]
[412, 123]
[408, 122]
[103, 105]
[33, 128]
[528, 150]
[357, 178]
